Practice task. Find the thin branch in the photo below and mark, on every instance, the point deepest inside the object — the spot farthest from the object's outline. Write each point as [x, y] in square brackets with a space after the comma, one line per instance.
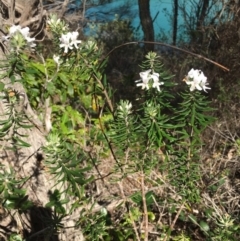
[134, 226]
[105, 94]
[48, 113]
[39, 232]
[109, 144]
[12, 11]
[174, 221]
[64, 8]
[145, 211]
[170, 46]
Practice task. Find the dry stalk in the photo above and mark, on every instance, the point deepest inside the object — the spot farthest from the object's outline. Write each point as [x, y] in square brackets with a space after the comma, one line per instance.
[134, 226]
[174, 221]
[129, 212]
[145, 211]
[105, 94]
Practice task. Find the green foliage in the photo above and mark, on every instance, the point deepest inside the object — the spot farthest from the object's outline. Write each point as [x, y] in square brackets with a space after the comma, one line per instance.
[181, 237]
[113, 33]
[191, 115]
[12, 196]
[95, 226]
[226, 232]
[16, 237]
[155, 138]
[64, 160]
[157, 124]
[12, 120]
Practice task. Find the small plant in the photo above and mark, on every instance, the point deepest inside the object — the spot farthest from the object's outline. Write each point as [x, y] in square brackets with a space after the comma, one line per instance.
[16, 237]
[226, 228]
[181, 237]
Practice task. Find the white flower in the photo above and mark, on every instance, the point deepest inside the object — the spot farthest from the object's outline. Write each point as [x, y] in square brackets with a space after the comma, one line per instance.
[204, 84]
[5, 38]
[56, 59]
[194, 84]
[68, 40]
[149, 80]
[32, 45]
[74, 39]
[197, 80]
[155, 77]
[24, 31]
[13, 29]
[30, 42]
[65, 42]
[156, 83]
[192, 73]
[145, 77]
[26, 34]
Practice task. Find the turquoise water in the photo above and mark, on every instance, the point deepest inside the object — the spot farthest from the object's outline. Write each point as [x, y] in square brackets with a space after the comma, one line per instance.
[128, 9]
[161, 11]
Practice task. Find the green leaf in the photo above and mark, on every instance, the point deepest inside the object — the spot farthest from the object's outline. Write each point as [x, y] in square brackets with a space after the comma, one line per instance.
[56, 202]
[63, 97]
[12, 78]
[2, 85]
[51, 88]
[70, 90]
[21, 142]
[39, 66]
[31, 71]
[149, 198]
[2, 122]
[6, 127]
[204, 226]
[16, 237]
[136, 197]
[25, 126]
[151, 216]
[193, 219]
[64, 78]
